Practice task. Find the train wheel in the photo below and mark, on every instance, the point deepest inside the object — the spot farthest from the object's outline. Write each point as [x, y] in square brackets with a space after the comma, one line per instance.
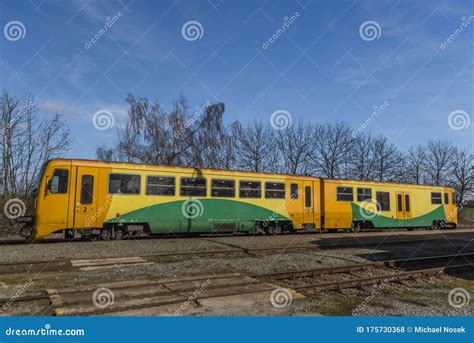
[356, 227]
[257, 230]
[69, 234]
[104, 234]
[273, 231]
[119, 234]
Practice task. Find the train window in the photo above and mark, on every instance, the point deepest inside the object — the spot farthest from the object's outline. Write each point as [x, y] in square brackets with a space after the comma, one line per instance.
[307, 196]
[436, 198]
[59, 181]
[274, 190]
[124, 184]
[364, 194]
[87, 187]
[446, 198]
[294, 191]
[223, 188]
[345, 194]
[160, 185]
[407, 203]
[250, 189]
[383, 201]
[193, 187]
[399, 203]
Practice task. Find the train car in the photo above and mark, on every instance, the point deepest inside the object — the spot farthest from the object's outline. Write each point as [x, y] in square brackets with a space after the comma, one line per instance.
[113, 200]
[379, 205]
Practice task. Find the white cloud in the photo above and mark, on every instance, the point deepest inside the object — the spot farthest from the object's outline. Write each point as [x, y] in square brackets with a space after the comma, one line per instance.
[51, 106]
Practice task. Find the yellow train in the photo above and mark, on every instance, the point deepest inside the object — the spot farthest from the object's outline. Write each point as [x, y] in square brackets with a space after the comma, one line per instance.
[112, 200]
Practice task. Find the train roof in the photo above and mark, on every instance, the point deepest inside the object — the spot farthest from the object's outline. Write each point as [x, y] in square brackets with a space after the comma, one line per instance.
[146, 166]
[370, 182]
[88, 162]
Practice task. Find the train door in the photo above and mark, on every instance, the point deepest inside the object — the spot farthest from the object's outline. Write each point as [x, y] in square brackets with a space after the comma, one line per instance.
[308, 203]
[294, 202]
[403, 206]
[400, 206]
[407, 203]
[56, 197]
[86, 211]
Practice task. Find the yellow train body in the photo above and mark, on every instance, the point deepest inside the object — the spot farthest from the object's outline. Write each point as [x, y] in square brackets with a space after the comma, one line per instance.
[94, 196]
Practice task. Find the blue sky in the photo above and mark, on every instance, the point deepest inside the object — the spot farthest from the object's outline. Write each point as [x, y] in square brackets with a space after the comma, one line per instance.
[320, 68]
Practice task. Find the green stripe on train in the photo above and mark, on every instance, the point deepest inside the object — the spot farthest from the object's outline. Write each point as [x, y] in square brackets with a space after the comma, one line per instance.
[359, 213]
[199, 215]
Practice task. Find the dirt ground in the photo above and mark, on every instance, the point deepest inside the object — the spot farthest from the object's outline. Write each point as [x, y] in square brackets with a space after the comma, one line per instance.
[427, 296]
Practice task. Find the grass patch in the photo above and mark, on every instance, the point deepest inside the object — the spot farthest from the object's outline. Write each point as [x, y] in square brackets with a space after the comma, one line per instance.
[337, 305]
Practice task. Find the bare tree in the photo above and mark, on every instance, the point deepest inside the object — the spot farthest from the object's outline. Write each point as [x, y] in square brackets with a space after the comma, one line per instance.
[9, 123]
[438, 162]
[212, 147]
[255, 147]
[294, 144]
[331, 149]
[28, 141]
[362, 158]
[415, 160]
[463, 175]
[154, 135]
[388, 160]
[105, 154]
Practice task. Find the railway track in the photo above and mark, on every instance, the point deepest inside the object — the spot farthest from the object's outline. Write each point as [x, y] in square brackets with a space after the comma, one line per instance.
[393, 264]
[143, 294]
[66, 264]
[385, 271]
[338, 234]
[372, 280]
